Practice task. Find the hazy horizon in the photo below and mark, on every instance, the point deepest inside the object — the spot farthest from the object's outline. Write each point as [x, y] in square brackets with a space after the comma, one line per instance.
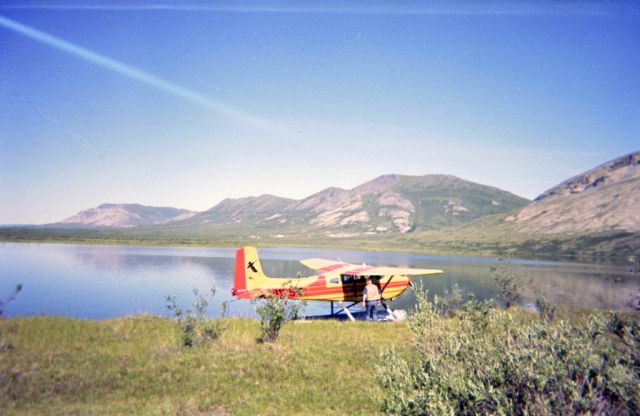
[185, 104]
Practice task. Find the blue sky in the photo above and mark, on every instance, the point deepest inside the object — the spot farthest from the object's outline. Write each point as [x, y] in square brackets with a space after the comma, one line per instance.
[184, 104]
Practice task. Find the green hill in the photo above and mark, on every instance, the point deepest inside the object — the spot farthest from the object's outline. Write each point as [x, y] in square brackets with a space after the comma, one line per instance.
[387, 205]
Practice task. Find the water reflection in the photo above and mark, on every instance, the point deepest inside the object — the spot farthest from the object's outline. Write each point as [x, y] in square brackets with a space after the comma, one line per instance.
[99, 282]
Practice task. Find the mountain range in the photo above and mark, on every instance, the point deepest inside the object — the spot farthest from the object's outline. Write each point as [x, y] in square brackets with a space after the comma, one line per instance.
[388, 204]
[595, 213]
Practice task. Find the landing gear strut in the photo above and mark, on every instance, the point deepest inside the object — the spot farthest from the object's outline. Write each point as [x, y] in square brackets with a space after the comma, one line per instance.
[345, 309]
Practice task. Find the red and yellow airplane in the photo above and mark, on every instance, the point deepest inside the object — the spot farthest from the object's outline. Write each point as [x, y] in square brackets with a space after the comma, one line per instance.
[336, 281]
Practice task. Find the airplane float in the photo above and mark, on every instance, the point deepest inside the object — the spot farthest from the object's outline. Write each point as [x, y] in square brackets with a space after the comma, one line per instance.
[336, 282]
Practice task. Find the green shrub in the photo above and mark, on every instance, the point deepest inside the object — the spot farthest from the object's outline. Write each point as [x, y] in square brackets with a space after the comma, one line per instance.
[194, 327]
[492, 361]
[546, 309]
[3, 345]
[449, 302]
[11, 297]
[275, 311]
[509, 285]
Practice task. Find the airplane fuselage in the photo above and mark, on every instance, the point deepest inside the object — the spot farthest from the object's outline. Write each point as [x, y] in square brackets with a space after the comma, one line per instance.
[336, 281]
[331, 286]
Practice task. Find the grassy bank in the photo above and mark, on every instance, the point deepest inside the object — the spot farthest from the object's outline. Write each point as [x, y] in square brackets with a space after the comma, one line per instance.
[52, 365]
[139, 365]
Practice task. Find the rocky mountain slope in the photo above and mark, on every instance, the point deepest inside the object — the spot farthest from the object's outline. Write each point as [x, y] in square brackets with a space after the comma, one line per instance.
[241, 210]
[387, 204]
[605, 198]
[126, 215]
[615, 171]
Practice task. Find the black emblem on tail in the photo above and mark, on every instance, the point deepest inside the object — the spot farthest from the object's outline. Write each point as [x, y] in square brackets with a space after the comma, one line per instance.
[252, 267]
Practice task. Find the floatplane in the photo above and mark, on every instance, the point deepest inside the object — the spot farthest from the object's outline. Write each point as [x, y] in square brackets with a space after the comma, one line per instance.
[335, 282]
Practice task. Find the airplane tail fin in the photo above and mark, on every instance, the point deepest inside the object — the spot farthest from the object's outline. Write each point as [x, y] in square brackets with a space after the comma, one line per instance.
[248, 272]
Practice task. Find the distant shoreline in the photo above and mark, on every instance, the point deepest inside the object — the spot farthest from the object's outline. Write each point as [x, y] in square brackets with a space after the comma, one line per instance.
[369, 246]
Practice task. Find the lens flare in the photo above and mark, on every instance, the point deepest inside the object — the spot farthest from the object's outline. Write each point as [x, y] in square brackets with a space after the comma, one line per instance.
[136, 74]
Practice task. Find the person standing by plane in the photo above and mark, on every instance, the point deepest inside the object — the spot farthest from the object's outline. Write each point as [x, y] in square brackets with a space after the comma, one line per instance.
[371, 299]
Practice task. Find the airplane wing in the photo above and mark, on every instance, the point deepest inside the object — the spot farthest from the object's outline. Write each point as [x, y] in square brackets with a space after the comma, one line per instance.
[364, 270]
[386, 271]
[324, 265]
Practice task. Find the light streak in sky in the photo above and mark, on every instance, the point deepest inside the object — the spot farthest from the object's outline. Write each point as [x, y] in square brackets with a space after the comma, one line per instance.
[399, 7]
[137, 74]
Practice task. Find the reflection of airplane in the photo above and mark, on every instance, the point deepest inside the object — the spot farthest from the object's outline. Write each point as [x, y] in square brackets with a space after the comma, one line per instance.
[336, 281]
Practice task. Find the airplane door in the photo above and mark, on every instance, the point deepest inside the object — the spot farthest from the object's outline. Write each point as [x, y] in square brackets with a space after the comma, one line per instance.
[349, 287]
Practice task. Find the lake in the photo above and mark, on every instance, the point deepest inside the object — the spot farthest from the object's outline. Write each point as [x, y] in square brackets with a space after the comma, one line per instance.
[102, 281]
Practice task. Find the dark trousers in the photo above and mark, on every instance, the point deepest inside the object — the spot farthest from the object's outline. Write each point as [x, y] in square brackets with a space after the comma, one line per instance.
[372, 309]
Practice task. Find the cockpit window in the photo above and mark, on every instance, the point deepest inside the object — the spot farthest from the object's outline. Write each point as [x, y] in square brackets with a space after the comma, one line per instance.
[350, 278]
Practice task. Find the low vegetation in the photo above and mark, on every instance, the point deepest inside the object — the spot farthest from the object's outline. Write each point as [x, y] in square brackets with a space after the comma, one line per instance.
[275, 311]
[11, 297]
[509, 285]
[486, 360]
[455, 355]
[140, 365]
[194, 326]
[4, 346]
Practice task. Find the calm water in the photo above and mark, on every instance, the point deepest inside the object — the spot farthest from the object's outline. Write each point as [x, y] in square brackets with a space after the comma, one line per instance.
[98, 282]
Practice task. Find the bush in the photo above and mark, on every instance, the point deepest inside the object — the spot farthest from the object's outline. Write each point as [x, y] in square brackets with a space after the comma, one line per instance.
[4, 346]
[509, 285]
[195, 328]
[546, 309]
[11, 297]
[492, 361]
[447, 304]
[276, 310]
